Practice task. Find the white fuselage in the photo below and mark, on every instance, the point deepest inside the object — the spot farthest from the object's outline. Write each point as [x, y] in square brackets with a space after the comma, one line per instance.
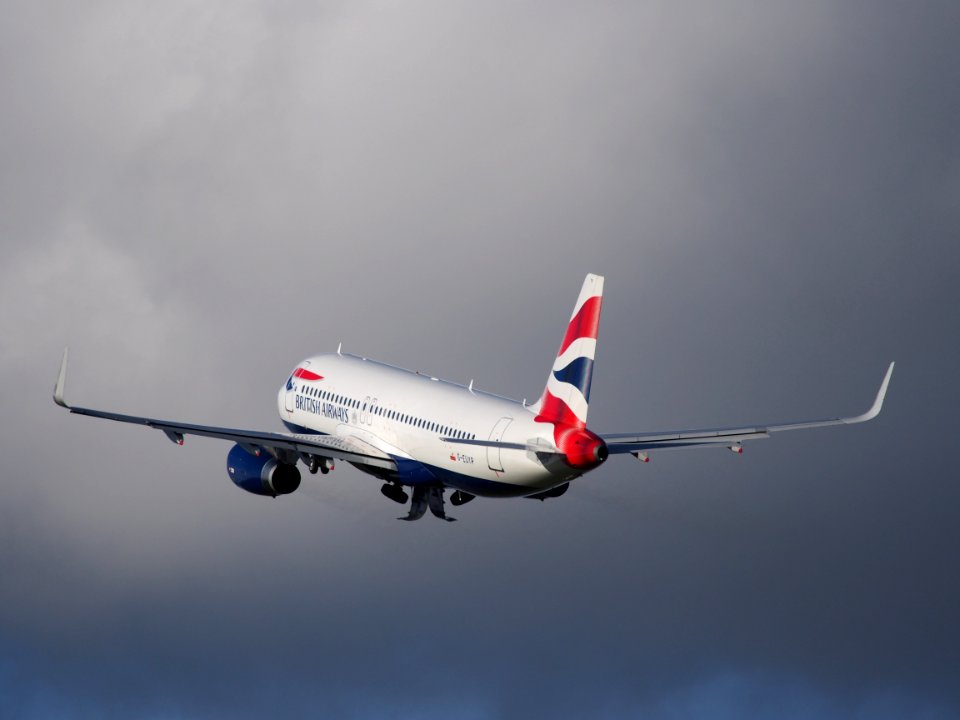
[420, 418]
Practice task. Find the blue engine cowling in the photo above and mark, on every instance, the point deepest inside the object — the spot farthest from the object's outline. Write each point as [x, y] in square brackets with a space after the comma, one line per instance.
[261, 475]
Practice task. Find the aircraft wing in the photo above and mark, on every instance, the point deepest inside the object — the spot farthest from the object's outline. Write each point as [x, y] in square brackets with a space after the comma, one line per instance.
[731, 437]
[280, 445]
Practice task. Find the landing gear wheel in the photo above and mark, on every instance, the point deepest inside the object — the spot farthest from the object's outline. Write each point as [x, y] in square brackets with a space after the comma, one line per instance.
[395, 493]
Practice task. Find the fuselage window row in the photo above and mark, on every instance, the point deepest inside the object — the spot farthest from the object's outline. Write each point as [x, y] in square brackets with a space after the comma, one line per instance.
[392, 414]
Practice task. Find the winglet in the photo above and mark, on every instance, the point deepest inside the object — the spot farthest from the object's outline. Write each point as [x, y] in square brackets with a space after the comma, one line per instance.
[61, 378]
[877, 404]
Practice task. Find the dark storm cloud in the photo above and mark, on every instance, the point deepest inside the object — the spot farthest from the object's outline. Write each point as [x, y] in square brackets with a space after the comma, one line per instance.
[195, 199]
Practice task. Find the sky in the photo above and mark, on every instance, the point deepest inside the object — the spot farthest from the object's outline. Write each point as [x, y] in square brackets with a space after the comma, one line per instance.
[195, 196]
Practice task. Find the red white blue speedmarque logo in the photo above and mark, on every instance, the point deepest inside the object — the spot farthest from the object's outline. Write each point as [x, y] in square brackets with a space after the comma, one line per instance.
[305, 374]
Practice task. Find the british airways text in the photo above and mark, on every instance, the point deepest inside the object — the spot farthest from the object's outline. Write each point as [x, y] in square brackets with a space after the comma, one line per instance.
[329, 410]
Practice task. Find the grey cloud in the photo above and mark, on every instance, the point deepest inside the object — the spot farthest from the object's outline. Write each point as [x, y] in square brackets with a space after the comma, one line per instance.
[195, 199]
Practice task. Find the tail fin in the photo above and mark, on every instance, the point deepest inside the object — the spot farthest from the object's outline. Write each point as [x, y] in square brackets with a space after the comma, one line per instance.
[566, 397]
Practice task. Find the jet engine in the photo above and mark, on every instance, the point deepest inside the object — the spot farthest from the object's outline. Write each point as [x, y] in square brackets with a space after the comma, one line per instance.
[261, 474]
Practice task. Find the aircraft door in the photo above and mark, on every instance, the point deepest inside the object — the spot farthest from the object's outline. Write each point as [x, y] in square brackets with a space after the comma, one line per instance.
[496, 435]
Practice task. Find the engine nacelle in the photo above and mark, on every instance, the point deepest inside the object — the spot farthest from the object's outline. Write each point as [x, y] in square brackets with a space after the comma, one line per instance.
[261, 474]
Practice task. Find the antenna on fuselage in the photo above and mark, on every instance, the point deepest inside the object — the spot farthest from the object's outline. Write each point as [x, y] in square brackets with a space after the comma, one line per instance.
[470, 386]
[339, 345]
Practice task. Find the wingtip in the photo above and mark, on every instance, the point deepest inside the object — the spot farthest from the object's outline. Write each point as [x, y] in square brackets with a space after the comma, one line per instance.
[878, 402]
[882, 393]
[61, 379]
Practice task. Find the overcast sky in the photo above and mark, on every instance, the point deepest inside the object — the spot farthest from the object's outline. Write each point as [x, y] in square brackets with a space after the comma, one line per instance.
[196, 195]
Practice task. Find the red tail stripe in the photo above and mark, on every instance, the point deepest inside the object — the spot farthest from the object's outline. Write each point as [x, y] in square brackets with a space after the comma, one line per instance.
[305, 374]
[555, 410]
[584, 324]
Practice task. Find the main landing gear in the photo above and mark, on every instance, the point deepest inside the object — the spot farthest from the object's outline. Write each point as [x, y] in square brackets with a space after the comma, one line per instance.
[461, 498]
[315, 462]
[423, 498]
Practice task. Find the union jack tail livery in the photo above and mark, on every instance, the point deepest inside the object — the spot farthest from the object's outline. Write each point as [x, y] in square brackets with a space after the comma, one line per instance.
[566, 397]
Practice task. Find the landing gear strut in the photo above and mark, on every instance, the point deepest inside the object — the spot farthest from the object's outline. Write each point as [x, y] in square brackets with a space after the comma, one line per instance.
[427, 497]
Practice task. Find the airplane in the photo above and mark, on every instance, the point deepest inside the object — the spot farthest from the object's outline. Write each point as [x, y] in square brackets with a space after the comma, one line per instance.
[412, 430]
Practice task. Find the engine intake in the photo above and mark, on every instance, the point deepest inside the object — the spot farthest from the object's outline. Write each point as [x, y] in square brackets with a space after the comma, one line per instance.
[261, 474]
